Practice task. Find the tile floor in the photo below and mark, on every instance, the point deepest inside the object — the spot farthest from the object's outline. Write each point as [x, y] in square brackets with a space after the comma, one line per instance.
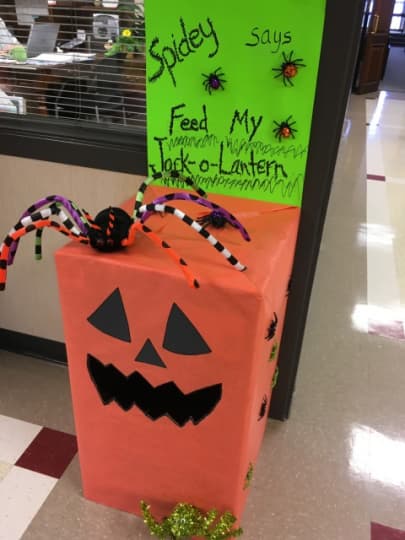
[336, 469]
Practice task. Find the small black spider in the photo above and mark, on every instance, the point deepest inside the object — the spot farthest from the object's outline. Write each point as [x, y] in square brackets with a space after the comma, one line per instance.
[215, 218]
[271, 331]
[263, 408]
[284, 130]
[289, 68]
[214, 81]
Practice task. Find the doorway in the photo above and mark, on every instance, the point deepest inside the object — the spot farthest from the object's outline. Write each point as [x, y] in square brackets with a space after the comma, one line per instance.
[381, 59]
[394, 75]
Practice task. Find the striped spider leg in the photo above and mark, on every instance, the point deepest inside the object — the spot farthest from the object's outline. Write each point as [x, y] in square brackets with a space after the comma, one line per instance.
[218, 210]
[198, 228]
[174, 175]
[23, 227]
[56, 203]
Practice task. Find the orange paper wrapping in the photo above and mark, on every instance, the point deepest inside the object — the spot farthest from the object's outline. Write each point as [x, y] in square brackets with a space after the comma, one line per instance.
[124, 455]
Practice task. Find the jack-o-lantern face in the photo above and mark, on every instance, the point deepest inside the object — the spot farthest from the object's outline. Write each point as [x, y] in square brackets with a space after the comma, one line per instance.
[181, 337]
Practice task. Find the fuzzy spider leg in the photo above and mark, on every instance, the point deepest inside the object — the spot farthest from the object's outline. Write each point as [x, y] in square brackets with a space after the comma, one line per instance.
[87, 221]
[290, 60]
[159, 176]
[203, 202]
[71, 207]
[54, 209]
[138, 226]
[198, 228]
[77, 215]
[21, 230]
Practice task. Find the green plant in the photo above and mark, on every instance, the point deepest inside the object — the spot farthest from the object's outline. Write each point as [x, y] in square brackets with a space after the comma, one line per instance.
[131, 38]
[186, 520]
[132, 15]
[18, 53]
[124, 43]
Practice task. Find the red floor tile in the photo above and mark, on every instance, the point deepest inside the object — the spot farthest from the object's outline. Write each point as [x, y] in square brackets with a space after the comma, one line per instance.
[381, 532]
[49, 453]
[376, 177]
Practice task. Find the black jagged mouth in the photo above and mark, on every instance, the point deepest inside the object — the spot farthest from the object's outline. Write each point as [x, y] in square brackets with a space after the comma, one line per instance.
[154, 401]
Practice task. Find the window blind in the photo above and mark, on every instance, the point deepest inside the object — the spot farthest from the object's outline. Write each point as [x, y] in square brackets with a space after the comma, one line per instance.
[75, 61]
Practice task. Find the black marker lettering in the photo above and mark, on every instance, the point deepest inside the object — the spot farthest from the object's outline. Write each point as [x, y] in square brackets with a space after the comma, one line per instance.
[255, 125]
[277, 39]
[156, 56]
[257, 37]
[266, 37]
[193, 37]
[211, 33]
[176, 52]
[168, 54]
[161, 155]
[287, 38]
[238, 118]
[184, 41]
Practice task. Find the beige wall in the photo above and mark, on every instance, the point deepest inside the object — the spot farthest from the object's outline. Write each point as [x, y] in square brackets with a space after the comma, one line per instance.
[30, 302]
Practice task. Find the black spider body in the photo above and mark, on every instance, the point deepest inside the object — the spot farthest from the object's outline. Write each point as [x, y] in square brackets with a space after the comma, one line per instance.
[110, 227]
[263, 407]
[289, 68]
[214, 81]
[284, 130]
[271, 331]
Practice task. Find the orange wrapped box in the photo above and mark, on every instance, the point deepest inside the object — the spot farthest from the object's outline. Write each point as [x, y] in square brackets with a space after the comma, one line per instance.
[171, 385]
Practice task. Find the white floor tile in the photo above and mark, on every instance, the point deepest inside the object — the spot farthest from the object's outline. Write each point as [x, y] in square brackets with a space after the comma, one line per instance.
[11, 447]
[382, 281]
[4, 469]
[22, 494]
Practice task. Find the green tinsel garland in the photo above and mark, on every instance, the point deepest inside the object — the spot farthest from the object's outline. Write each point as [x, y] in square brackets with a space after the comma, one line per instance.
[186, 520]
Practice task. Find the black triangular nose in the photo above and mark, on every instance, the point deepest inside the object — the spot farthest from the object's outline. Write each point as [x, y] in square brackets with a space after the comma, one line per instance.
[149, 355]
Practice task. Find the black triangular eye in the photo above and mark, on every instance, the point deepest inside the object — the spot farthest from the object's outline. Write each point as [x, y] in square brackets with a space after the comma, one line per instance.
[149, 355]
[181, 336]
[110, 317]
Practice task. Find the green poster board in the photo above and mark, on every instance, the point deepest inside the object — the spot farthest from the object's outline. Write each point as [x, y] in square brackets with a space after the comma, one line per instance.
[218, 94]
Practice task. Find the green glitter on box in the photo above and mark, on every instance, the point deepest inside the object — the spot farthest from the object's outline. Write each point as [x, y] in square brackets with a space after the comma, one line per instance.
[249, 476]
[274, 351]
[275, 378]
[186, 520]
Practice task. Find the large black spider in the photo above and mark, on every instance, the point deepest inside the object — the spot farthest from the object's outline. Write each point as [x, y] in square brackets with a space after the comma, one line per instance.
[271, 331]
[214, 81]
[112, 228]
[289, 68]
[284, 130]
